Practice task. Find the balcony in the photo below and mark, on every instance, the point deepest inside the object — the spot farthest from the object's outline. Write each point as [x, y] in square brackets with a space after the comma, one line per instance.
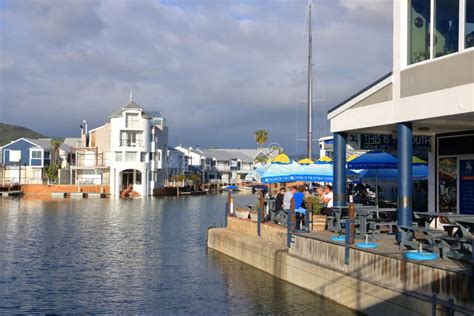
[131, 143]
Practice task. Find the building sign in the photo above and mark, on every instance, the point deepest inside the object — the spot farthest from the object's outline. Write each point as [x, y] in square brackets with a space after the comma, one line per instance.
[385, 142]
[466, 186]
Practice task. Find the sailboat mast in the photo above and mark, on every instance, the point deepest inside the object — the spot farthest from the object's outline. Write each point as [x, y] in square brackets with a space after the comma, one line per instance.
[310, 83]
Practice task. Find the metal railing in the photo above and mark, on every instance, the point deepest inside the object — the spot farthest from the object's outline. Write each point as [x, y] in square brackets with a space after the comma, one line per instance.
[131, 143]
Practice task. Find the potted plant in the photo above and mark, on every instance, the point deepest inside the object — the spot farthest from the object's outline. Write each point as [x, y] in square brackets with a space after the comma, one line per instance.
[318, 220]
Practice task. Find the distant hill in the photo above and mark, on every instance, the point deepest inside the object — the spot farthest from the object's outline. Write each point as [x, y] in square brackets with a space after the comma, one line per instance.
[11, 132]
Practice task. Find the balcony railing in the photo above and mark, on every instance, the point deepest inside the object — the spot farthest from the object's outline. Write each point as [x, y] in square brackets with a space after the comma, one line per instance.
[131, 143]
[132, 124]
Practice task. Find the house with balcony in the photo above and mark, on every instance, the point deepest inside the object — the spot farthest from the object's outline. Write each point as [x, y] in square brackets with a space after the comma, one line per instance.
[426, 102]
[232, 165]
[129, 152]
[24, 159]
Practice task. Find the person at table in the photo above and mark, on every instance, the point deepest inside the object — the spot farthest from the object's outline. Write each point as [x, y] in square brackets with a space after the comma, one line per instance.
[328, 196]
[300, 211]
[275, 213]
[287, 197]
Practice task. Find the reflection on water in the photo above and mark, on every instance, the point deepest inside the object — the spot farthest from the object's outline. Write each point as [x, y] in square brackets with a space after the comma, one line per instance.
[132, 256]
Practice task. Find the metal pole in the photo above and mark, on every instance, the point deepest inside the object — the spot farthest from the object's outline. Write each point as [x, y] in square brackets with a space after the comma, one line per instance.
[339, 172]
[289, 223]
[347, 240]
[310, 83]
[259, 213]
[405, 177]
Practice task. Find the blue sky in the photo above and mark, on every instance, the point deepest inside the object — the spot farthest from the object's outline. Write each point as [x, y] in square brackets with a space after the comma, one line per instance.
[218, 70]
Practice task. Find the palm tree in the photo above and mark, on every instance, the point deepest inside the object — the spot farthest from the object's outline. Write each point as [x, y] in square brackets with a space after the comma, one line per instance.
[261, 137]
[55, 152]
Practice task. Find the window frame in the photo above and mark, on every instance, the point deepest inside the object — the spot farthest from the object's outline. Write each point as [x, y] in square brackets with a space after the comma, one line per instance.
[405, 63]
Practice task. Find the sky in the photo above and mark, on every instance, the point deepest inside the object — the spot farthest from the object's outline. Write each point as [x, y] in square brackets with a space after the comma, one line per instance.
[218, 70]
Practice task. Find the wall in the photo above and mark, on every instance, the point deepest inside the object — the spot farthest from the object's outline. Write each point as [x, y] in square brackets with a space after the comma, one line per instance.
[268, 231]
[48, 189]
[344, 289]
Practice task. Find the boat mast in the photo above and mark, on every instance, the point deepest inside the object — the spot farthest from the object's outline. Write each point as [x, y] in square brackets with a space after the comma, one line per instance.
[310, 83]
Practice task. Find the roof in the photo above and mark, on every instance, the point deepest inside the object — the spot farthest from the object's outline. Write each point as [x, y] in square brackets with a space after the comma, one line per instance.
[72, 141]
[361, 91]
[245, 155]
[46, 143]
[130, 106]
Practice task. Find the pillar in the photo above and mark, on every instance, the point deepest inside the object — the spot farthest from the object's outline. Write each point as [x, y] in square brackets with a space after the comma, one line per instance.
[339, 173]
[405, 177]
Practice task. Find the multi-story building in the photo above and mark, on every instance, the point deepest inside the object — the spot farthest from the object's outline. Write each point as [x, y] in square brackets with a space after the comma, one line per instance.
[426, 101]
[128, 152]
[24, 159]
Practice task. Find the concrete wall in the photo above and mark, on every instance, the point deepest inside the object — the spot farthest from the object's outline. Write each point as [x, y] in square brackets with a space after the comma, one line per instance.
[387, 271]
[339, 287]
[451, 71]
[268, 231]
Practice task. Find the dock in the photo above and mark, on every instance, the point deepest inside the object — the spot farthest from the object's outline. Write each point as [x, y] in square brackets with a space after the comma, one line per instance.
[375, 281]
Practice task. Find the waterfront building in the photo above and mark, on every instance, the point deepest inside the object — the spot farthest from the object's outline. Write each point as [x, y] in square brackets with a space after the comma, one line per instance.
[128, 153]
[23, 159]
[194, 157]
[177, 162]
[426, 102]
[232, 165]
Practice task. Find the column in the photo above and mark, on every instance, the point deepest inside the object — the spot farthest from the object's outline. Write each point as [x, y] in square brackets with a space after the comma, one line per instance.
[339, 173]
[405, 177]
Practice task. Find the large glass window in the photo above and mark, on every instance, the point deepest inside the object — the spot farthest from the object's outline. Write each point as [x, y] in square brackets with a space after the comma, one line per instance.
[118, 156]
[447, 177]
[469, 25]
[419, 31]
[130, 156]
[36, 154]
[446, 31]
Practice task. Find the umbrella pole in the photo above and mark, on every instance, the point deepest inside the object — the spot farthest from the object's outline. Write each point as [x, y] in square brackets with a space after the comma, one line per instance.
[376, 190]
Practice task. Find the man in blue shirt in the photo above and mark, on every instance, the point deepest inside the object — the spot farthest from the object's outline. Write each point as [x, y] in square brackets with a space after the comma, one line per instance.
[298, 197]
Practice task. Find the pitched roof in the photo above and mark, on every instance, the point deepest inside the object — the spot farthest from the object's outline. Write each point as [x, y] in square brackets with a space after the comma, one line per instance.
[245, 155]
[46, 143]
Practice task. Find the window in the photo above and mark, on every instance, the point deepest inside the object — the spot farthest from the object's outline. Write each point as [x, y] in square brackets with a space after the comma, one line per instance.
[143, 157]
[469, 25]
[36, 154]
[47, 155]
[446, 32]
[419, 31]
[130, 156]
[131, 120]
[131, 139]
[118, 156]
[15, 155]
[138, 177]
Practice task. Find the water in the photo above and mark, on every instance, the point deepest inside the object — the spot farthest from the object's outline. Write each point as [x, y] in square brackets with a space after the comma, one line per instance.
[132, 256]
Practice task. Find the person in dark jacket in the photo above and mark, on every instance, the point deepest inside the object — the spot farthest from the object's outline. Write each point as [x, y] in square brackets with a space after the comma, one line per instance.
[275, 213]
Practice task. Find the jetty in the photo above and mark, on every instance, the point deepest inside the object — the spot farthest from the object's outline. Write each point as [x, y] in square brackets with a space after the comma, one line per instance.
[374, 281]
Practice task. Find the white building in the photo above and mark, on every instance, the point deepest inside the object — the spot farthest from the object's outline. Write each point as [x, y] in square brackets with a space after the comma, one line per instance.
[137, 143]
[128, 152]
[427, 100]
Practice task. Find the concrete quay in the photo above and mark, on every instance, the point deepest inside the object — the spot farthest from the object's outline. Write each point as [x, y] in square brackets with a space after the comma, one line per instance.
[373, 283]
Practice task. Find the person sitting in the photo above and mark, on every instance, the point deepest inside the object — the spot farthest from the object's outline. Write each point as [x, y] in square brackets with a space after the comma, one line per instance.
[275, 213]
[328, 196]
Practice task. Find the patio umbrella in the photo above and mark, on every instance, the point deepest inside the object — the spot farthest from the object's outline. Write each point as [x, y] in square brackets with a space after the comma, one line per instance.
[420, 172]
[278, 172]
[325, 159]
[306, 161]
[374, 160]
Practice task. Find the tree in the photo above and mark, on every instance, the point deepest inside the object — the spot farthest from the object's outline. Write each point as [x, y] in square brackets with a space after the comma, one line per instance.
[55, 150]
[261, 137]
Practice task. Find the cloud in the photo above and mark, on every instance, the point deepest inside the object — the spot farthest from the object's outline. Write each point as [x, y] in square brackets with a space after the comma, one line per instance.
[218, 70]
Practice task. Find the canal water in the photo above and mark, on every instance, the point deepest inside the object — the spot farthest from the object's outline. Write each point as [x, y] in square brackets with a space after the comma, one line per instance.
[132, 256]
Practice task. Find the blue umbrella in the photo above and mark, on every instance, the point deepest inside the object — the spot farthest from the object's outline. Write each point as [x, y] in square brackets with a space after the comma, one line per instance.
[374, 160]
[277, 172]
[420, 172]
